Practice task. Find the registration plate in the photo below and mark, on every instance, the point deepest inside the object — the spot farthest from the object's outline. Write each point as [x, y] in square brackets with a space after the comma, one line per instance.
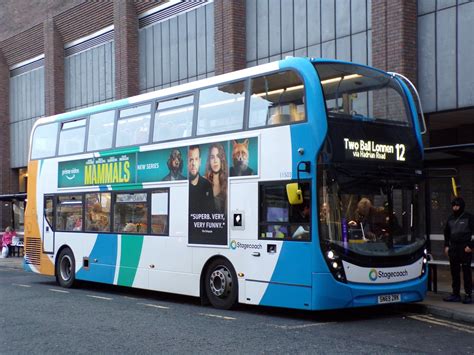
[389, 298]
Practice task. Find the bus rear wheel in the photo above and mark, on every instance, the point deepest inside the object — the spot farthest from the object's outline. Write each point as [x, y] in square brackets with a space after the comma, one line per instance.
[221, 284]
[66, 268]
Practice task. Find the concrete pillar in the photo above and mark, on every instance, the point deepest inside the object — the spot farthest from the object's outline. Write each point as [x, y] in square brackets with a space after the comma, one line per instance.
[53, 69]
[229, 35]
[126, 49]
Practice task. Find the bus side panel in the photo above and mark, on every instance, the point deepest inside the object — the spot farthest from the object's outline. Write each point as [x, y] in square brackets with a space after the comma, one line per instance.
[102, 251]
[36, 260]
[288, 296]
[331, 294]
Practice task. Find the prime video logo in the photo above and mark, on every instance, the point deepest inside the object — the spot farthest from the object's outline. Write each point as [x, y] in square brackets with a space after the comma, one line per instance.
[374, 274]
[234, 245]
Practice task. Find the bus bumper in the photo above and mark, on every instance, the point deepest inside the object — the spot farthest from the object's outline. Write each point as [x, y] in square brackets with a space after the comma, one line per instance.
[331, 294]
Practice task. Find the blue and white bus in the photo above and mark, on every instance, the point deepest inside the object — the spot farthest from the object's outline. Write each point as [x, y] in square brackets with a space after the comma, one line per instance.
[291, 184]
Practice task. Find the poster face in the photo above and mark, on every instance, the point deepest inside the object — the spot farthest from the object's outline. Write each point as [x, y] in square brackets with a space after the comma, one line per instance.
[244, 157]
[208, 173]
[162, 165]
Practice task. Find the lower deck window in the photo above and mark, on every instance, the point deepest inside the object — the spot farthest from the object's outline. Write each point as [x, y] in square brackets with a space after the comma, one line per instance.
[97, 212]
[130, 213]
[279, 219]
[69, 213]
[144, 212]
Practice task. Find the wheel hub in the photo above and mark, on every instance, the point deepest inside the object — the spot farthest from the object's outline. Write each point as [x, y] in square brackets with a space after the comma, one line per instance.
[220, 282]
[65, 267]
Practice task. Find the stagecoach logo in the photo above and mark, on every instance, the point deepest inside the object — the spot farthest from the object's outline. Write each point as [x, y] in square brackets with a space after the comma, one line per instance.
[234, 245]
[374, 274]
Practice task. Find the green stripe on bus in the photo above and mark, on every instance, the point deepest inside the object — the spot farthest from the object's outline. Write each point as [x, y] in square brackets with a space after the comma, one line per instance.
[123, 187]
[130, 256]
[127, 150]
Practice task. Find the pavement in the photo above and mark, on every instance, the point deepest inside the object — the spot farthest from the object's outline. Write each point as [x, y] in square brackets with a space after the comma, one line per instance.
[432, 304]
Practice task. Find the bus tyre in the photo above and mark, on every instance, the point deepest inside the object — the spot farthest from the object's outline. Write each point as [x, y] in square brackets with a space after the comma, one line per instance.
[66, 268]
[221, 284]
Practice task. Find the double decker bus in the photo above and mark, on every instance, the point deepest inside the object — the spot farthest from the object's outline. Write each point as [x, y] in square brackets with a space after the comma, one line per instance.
[292, 184]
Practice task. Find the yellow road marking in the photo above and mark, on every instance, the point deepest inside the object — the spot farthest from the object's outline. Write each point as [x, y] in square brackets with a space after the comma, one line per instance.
[447, 324]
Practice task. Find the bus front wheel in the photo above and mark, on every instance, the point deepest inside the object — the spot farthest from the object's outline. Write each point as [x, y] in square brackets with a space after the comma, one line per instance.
[221, 284]
[66, 268]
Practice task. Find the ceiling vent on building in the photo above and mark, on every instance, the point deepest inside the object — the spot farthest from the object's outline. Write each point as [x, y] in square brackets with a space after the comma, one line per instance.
[169, 12]
[89, 43]
[20, 68]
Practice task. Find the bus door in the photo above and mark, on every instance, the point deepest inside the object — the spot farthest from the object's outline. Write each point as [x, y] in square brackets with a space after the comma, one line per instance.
[48, 223]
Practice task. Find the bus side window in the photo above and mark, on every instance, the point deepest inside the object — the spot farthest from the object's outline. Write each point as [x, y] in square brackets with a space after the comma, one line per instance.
[69, 213]
[101, 130]
[133, 126]
[131, 213]
[44, 141]
[276, 99]
[174, 119]
[279, 219]
[98, 212]
[72, 137]
[221, 108]
[159, 212]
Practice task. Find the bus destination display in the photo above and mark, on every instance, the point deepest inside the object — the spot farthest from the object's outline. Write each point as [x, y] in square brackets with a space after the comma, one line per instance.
[372, 150]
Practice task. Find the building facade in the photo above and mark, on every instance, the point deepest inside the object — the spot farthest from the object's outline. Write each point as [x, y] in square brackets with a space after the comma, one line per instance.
[58, 56]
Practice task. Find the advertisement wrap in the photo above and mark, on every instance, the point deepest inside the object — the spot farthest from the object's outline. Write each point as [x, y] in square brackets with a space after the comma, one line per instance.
[206, 167]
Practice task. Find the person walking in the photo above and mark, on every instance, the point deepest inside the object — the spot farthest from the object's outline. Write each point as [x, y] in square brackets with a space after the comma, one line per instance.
[458, 246]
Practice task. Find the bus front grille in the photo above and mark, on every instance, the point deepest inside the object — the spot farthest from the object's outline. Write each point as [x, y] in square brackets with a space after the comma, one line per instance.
[33, 251]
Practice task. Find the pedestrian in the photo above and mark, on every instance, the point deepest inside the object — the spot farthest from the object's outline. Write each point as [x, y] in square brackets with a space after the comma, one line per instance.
[458, 246]
[7, 239]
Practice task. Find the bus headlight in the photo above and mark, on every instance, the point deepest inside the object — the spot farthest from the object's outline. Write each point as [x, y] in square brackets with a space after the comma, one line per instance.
[335, 265]
[331, 255]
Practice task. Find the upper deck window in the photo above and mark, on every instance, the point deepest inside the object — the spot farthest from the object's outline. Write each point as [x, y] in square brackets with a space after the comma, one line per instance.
[221, 108]
[276, 99]
[360, 93]
[133, 126]
[72, 136]
[174, 119]
[101, 131]
[44, 141]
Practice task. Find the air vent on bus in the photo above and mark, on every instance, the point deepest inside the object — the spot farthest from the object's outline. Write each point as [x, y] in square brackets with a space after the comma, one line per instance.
[33, 251]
